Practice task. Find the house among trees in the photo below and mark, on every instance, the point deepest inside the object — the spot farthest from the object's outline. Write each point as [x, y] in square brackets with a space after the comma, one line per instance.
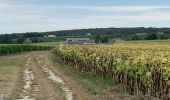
[50, 36]
[80, 41]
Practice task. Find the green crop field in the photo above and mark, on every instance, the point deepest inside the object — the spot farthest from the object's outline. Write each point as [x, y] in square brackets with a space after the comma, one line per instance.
[16, 48]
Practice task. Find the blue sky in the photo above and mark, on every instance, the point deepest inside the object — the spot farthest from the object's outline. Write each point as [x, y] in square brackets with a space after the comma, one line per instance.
[52, 15]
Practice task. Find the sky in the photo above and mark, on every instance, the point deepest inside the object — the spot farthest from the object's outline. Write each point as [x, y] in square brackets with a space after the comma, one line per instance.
[18, 16]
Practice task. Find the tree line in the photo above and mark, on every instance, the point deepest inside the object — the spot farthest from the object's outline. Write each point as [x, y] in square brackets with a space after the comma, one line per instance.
[105, 33]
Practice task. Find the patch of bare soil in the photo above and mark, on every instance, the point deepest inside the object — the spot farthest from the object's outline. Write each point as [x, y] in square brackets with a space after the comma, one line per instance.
[41, 81]
[28, 78]
[37, 85]
[55, 78]
[47, 90]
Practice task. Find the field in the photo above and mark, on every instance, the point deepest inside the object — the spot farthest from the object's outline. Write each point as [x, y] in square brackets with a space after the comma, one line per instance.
[141, 68]
[133, 70]
[18, 48]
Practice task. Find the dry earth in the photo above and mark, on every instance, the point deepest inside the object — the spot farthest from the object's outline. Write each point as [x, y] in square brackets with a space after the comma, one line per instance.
[42, 81]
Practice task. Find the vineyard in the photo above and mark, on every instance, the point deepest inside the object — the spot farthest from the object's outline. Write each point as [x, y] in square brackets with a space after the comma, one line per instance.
[139, 68]
[12, 49]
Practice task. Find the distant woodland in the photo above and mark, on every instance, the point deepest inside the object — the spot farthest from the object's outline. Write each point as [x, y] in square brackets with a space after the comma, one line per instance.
[138, 33]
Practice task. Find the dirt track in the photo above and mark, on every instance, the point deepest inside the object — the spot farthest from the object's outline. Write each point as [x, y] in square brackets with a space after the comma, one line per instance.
[36, 76]
[41, 81]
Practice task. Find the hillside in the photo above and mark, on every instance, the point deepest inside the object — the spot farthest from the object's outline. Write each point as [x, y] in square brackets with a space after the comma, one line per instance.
[138, 33]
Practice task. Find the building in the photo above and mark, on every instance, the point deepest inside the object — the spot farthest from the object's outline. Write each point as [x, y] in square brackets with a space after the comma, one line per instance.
[50, 36]
[80, 41]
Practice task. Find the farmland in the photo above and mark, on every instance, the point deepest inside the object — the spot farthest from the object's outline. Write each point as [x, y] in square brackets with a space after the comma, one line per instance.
[84, 49]
[141, 68]
[16, 48]
[120, 71]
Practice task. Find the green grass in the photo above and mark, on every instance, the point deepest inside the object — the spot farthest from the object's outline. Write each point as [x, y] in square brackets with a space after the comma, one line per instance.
[9, 64]
[93, 79]
[10, 70]
[123, 42]
[149, 41]
[48, 43]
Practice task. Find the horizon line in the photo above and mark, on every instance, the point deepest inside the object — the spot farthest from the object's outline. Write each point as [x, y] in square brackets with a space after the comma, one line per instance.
[76, 29]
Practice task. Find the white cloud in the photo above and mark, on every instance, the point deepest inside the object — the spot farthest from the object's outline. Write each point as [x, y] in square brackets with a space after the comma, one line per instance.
[117, 8]
[16, 17]
[93, 8]
[108, 8]
[17, 1]
[149, 16]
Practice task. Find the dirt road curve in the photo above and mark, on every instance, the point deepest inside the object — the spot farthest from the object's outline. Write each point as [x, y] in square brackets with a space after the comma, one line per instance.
[41, 81]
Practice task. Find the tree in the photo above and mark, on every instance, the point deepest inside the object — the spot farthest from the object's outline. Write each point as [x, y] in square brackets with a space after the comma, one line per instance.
[20, 40]
[14, 41]
[105, 39]
[151, 36]
[162, 36]
[35, 40]
[118, 36]
[27, 41]
[97, 38]
[136, 37]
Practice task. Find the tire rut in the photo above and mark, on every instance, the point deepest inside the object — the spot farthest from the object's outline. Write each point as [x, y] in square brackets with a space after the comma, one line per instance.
[28, 89]
[41, 82]
[56, 79]
[47, 89]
